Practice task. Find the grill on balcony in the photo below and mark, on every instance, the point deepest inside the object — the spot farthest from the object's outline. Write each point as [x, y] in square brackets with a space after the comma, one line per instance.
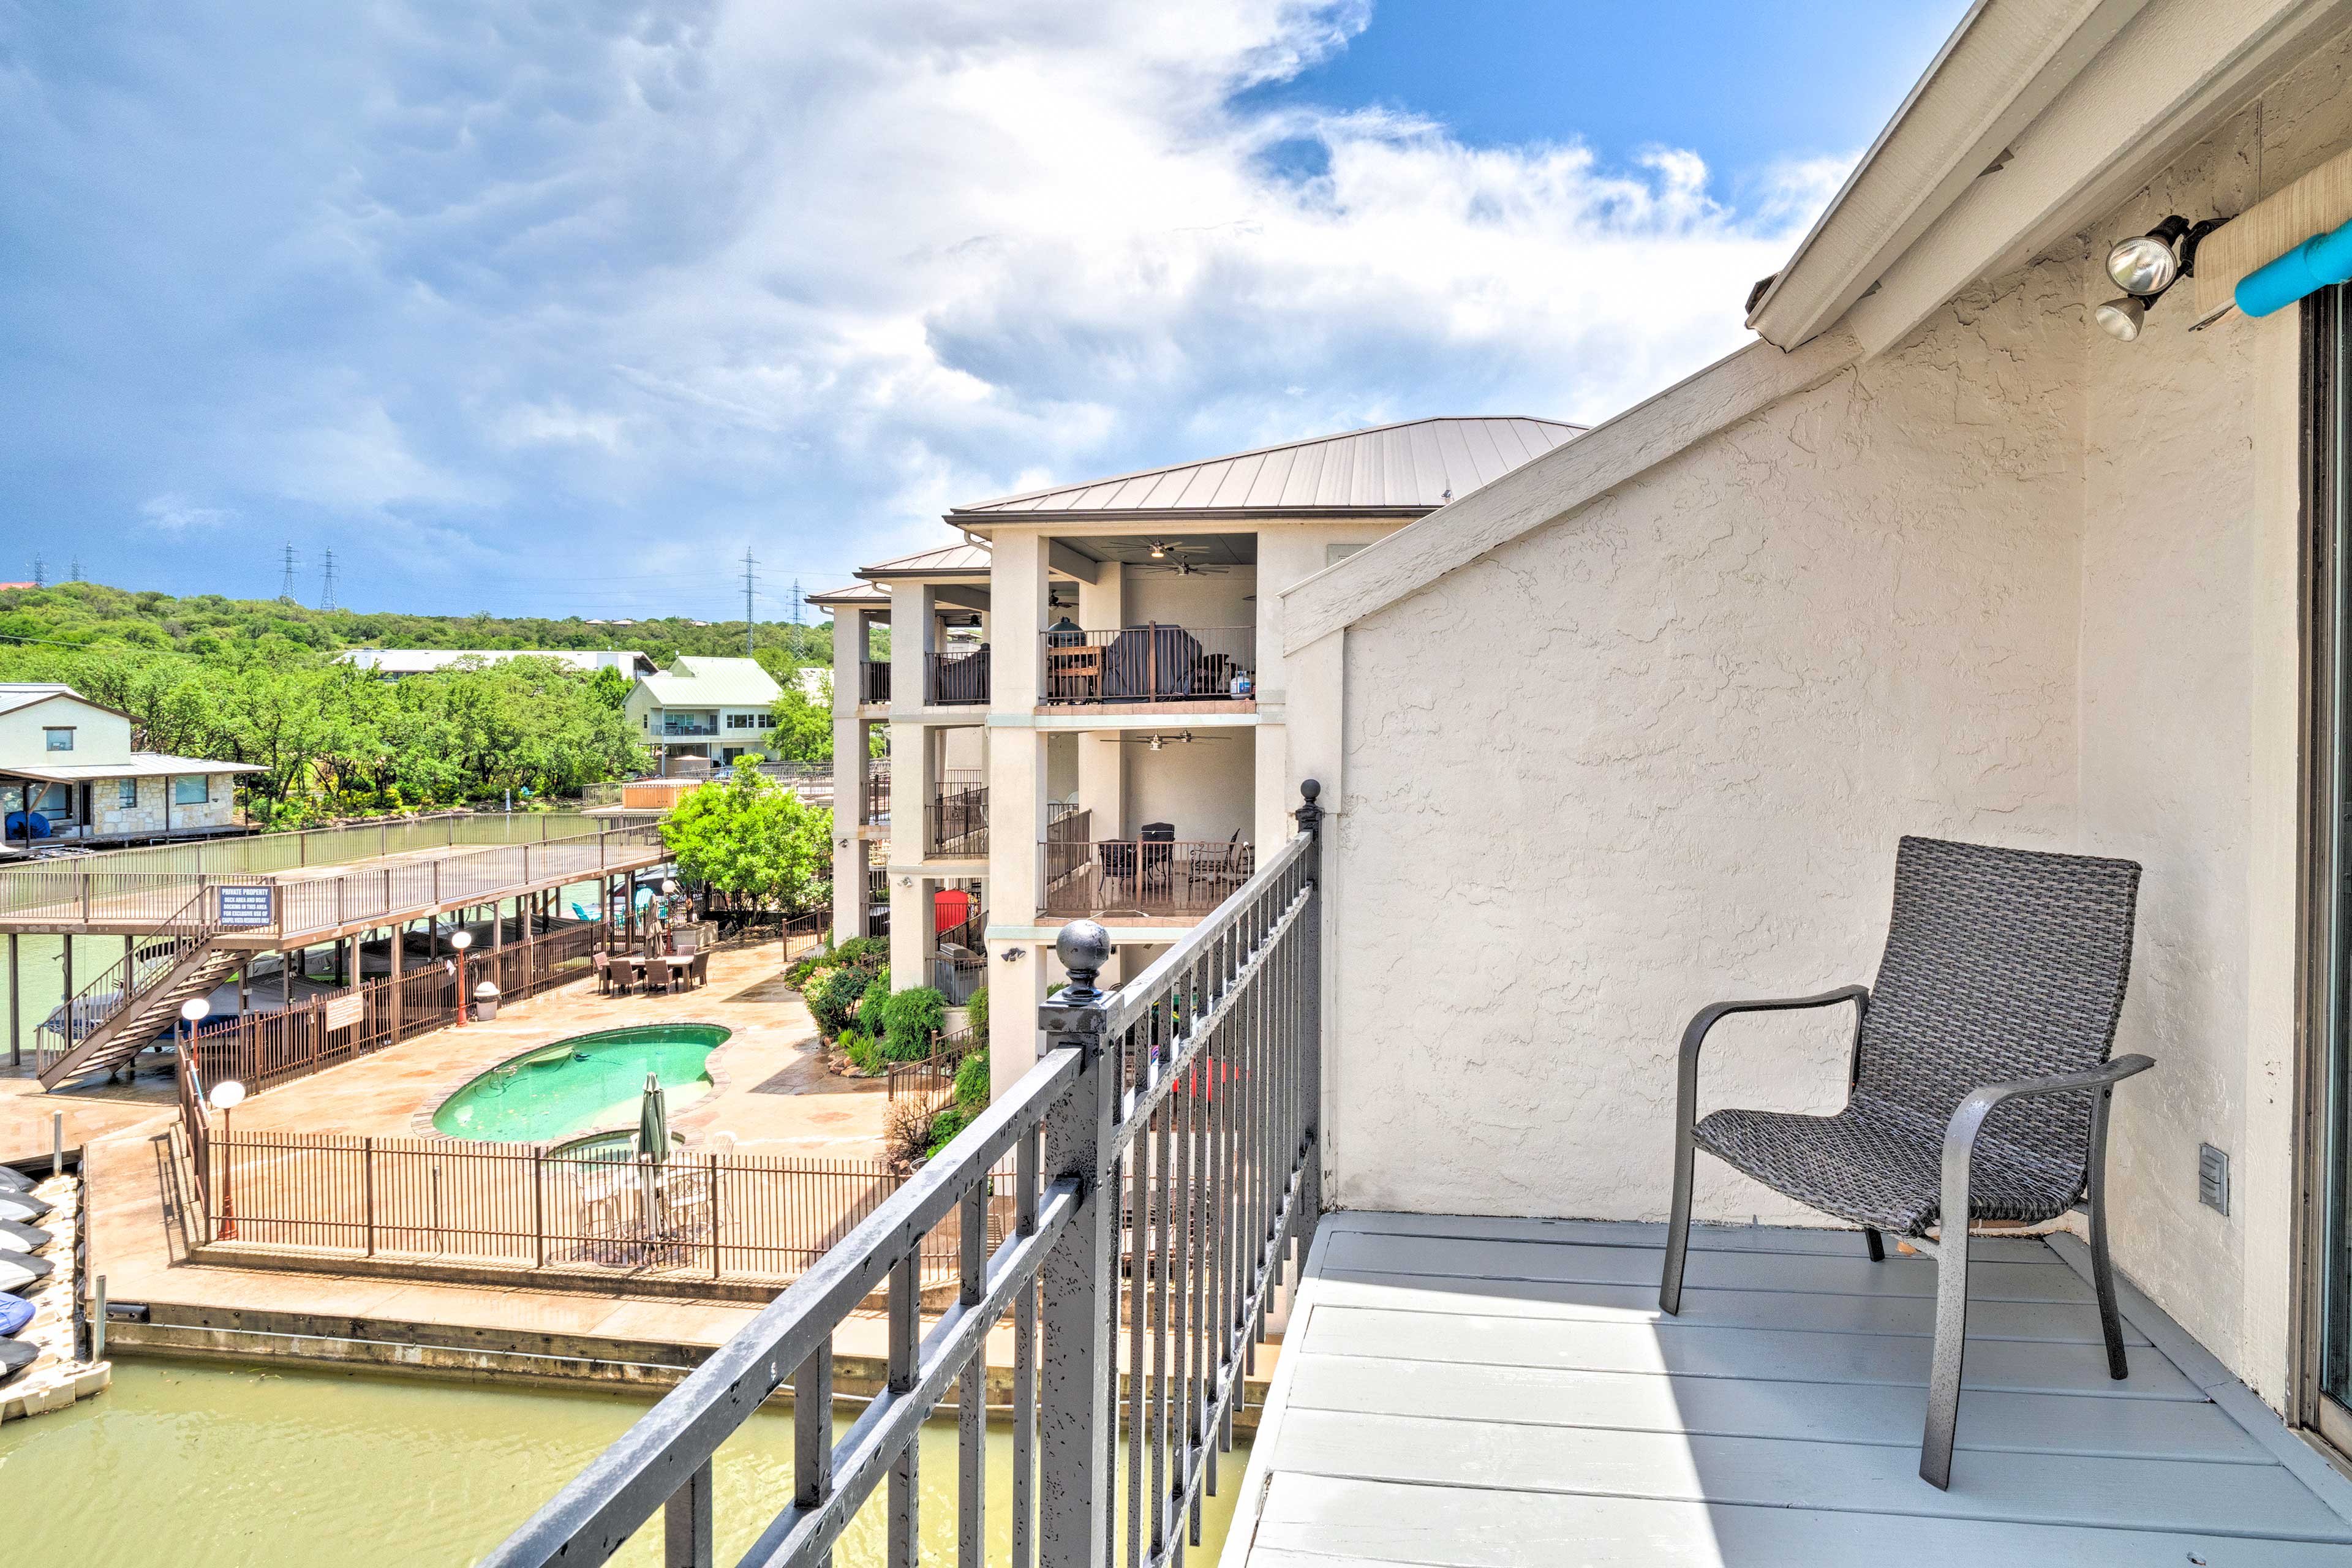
[1151, 663]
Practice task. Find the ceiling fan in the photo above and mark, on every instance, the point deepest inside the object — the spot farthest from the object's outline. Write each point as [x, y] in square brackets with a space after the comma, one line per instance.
[1157, 742]
[1183, 569]
[1162, 549]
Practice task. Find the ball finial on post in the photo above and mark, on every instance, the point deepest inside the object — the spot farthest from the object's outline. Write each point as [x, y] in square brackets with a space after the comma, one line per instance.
[1309, 816]
[1084, 947]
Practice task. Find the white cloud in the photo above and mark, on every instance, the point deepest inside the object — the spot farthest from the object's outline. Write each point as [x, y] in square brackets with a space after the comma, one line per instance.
[176, 513]
[810, 272]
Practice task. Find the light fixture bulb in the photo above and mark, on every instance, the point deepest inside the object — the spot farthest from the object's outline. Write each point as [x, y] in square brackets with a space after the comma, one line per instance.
[2143, 265]
[2121, 319]
[1157, 550]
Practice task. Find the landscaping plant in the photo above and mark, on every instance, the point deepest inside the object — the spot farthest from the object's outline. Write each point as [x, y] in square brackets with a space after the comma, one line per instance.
[833, 999]
[908, 1019]
[972, 1081]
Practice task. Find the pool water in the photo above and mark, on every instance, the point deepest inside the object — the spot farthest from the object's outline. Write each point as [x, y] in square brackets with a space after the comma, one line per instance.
[210, 1465]
[582, 1084]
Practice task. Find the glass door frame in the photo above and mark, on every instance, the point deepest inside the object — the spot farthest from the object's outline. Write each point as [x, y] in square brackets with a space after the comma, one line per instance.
[2323, 1305]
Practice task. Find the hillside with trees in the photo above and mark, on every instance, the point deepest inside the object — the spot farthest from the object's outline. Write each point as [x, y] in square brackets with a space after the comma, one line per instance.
[255, 681]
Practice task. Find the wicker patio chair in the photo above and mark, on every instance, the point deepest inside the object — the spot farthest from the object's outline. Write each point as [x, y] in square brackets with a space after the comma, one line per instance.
[1979, 1083]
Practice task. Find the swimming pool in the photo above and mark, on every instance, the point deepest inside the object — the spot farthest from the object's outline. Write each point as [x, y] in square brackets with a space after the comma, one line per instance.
[577, 1085]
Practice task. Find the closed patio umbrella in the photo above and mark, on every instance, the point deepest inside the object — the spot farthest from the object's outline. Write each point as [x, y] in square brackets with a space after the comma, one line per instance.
[653, 1142]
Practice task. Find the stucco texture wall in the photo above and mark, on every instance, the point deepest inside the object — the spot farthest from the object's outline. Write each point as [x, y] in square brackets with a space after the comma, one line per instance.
[2188, 737]
[1659, 753]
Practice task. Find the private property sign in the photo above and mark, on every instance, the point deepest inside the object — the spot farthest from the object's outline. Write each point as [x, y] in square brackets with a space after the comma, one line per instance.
[242, 905]
[342, 1012]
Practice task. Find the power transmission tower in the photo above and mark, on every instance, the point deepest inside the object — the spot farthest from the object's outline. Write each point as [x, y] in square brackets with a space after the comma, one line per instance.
[327, 594]
[73, 574]
[748, 581]
[40, 572]
[286, 575]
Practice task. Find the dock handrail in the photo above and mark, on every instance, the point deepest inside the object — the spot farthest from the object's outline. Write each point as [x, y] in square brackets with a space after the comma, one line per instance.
[80, 892]
[121, 984]
[1194, 1088]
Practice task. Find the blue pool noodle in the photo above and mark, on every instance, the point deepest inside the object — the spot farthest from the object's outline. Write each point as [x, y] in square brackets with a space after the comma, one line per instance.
[2318, 262]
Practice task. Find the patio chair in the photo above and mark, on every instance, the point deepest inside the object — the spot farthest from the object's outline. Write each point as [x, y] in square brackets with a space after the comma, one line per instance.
[1977, 1087]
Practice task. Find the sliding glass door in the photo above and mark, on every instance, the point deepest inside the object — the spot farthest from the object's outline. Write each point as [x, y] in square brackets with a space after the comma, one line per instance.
[2327, 1249]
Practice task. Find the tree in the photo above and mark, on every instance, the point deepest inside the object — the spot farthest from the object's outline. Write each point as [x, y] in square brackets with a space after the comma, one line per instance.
[803, 723]
[749, 836]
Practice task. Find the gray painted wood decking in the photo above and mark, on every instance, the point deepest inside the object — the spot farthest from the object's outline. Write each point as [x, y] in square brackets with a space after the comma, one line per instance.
[1492, 1393]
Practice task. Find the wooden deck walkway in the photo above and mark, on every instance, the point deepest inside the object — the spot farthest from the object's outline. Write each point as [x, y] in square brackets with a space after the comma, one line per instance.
[1492, 1394]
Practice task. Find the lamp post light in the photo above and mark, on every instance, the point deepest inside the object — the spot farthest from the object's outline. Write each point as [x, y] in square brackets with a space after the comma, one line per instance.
[193, 1011]
[460, 939]
[227, 1096]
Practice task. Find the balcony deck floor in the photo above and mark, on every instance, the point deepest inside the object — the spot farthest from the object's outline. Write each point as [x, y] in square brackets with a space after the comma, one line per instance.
[1493, 1392]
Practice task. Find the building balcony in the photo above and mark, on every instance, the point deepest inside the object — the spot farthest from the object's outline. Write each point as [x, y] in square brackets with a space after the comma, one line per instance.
[1154, 663]
[956, 679]
[874, 680]
[955, 823]
[688, 730]
[1143, 878]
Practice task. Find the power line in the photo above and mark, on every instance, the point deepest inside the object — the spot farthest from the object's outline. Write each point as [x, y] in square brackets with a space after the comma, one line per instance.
[286, 578]
[327, 594]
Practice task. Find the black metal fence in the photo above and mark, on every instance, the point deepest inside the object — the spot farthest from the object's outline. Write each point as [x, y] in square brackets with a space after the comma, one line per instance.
[1166, 1158]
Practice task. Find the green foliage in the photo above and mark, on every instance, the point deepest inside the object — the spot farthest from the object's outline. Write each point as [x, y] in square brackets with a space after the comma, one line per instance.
[750, 835]
[910, 1019]
[874, 1001]
[864, 952]
[803, 731]
[833, 998]
[331, 740]
[865, 1053]
[977, 1011]
[945, 1126]
[94, 615]
[972, 1081]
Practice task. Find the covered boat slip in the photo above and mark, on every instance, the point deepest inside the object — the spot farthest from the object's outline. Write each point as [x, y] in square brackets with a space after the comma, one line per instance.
[1493, 1392]
[269, 890]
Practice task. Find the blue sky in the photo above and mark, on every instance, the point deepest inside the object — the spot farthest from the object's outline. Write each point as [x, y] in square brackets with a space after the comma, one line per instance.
[553, 309]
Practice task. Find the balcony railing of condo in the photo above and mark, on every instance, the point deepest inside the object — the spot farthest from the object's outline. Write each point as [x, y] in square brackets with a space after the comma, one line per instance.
[874, 680]
[1119, 876]
[1166, 1171]
[1149, 663]
[956, 680]
[957, 822]
[684, 729]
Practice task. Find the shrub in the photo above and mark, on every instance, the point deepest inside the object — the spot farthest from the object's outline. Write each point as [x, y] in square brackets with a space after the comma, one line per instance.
[865, 1054]
[833, 1000]
[972, 1081]
[866, 952]
[911, 1017]
[907, 1136]
[873, 1002]
[977, 1011]
[945, 1126]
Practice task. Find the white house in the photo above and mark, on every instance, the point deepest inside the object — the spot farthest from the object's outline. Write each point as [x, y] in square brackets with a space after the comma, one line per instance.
[395, 662]
[712, 709]
[68, 774]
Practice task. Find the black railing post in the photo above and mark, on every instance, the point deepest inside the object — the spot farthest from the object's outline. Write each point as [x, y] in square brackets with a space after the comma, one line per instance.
[1078, 1372]
[1309, 818]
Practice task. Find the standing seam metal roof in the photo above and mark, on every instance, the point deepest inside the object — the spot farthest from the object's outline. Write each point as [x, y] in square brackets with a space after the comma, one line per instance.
[1408, 467]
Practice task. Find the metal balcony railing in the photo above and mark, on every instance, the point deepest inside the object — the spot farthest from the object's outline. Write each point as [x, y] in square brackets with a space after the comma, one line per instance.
[956, 680]
[1150, 663]
[689, 729]
[874, 680]
[1128, 877]
[1165, 1156]
[956, 825]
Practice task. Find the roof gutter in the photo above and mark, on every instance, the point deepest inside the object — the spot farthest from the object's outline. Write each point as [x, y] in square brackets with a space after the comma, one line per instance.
[2003, 65]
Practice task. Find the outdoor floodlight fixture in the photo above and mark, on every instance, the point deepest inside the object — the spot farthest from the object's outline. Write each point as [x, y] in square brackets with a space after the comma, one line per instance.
[2121, 319]
[2144, 266]
[227, 1095]
[195, 1007]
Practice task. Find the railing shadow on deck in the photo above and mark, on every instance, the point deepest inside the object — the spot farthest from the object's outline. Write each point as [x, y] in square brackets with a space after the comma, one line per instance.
[1165, 1156]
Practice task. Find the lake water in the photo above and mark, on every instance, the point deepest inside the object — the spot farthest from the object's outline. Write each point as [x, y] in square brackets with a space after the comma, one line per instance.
[206, 1464]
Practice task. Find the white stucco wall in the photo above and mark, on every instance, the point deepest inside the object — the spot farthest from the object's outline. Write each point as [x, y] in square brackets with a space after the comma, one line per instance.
[2010, 581]
[1660, 753]
[2188, 732]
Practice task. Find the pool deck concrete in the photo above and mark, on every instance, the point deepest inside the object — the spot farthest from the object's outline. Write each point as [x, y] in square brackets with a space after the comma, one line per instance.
[773, 1091]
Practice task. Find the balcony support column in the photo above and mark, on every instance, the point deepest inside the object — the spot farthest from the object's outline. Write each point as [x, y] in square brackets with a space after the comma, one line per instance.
[851, 768]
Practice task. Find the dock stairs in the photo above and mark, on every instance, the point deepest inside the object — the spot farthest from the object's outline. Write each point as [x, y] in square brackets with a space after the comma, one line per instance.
[119, 1013]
